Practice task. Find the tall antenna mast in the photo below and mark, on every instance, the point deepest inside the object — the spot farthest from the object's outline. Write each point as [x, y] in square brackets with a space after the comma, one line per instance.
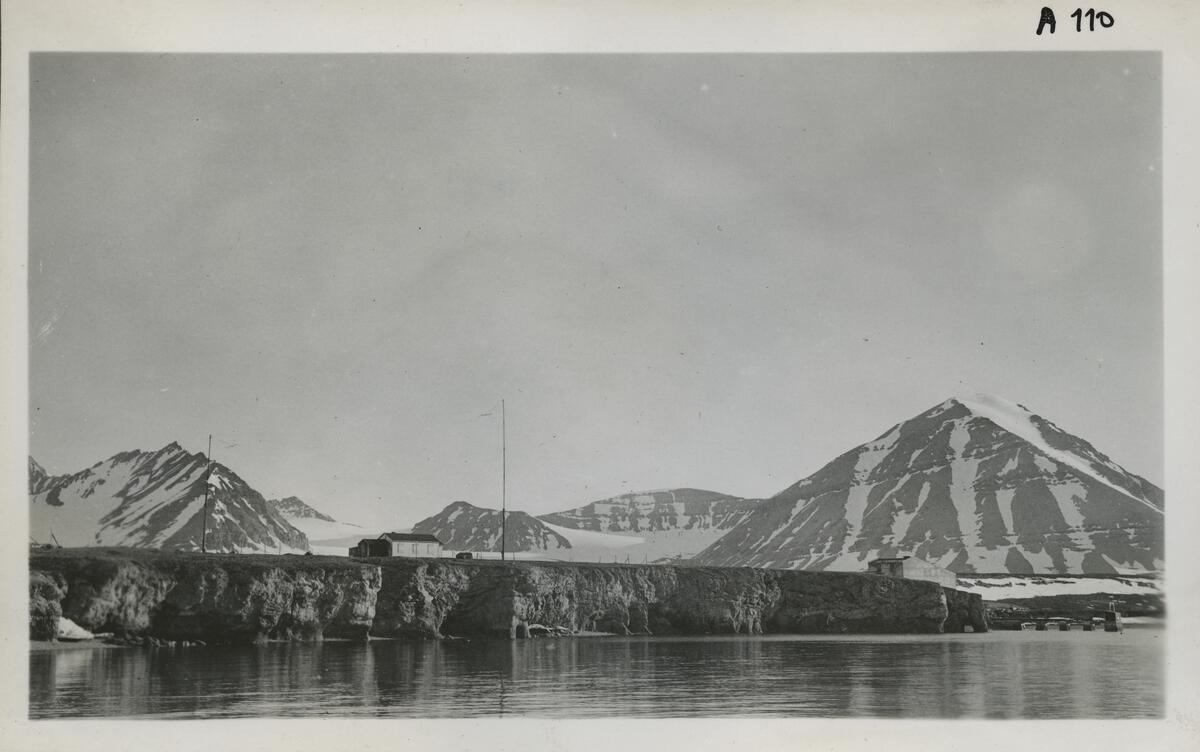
[207, 475]
[503, 477]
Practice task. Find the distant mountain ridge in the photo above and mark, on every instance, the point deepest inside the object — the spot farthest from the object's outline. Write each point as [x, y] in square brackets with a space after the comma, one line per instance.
[156, 499]
[669, 524]
[465, 527]
[292, 508]
[326, 535]
[651, 511]
[975, 484]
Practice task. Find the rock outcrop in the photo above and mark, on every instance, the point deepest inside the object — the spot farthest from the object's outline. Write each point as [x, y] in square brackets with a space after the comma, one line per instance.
[45, 605]
[230, 599]
[242, 598]
[964, 610]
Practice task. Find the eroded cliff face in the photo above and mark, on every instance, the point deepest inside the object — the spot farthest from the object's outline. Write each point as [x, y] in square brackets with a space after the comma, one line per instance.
[234, 599]
[252, 598]
[964, 610]
[45, 605]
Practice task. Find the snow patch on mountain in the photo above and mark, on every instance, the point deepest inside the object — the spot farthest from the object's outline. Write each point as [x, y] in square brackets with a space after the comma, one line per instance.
[294, 508]
[975, 485]
[156, 499]
[1018, 420]
[999, 588]
[464, 527]
[325, 534]
[639, 527]
[649, 511]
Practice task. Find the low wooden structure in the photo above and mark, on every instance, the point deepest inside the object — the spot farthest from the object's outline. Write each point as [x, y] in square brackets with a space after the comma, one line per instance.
[912, 568]
[370, 547]
[411, 545]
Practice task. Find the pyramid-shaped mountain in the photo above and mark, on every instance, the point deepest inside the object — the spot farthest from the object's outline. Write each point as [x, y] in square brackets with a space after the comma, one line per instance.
[156, 500]
[294, 508]
[974, 484]
[466, 527]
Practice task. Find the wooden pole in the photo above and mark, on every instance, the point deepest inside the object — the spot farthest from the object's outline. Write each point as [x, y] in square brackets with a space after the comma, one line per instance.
[503, 479]
[207, 476]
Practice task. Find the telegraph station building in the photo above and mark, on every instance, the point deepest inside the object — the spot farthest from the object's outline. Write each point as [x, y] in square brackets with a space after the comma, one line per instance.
[410, 545]
[912, 568]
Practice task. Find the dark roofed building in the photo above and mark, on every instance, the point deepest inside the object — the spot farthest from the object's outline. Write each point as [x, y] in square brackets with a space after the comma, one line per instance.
[411, 537]
[370, 547]
[412, 545]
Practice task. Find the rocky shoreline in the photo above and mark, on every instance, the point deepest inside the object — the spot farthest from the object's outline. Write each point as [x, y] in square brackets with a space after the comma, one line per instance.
[149, 597]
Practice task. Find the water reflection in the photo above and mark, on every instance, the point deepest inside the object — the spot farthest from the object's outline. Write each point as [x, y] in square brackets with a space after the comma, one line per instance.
[999, 675]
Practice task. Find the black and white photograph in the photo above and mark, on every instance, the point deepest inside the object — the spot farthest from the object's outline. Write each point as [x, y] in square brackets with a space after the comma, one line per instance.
[557, 385]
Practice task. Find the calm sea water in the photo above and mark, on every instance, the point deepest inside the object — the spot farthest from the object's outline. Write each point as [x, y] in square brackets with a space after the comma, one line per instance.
[995, 675]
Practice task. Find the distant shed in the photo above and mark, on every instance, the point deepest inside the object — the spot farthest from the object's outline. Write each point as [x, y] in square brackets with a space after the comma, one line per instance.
[912, 568]
[370, 547]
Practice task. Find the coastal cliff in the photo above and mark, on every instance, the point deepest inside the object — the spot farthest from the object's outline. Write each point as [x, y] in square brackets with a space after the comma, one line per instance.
[244, 598]
[228, 599]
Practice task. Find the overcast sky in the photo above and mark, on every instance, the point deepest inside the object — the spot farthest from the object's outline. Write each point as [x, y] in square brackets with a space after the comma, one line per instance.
[718, 271]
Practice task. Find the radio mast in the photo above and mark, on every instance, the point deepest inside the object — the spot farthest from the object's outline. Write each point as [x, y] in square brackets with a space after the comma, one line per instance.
[503, 477]
[207, 476]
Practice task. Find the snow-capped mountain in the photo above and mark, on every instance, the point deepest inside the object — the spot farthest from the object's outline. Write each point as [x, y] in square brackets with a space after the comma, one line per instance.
[465, 527]
[974, 484]
[671, 524]
[326, 536]
[649, 526]
[39, 480]
[156, 499]
[293, 508]
[656, 511]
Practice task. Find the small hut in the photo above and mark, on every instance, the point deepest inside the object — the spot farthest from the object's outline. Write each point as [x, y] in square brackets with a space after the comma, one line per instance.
[912, 568]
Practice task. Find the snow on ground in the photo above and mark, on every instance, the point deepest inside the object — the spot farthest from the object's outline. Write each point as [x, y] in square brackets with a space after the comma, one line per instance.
[1003, 587]
[329, 549]
[586, 546]
[648, 546]
[595, 539]
[69, 630]
[350, 540]
[320, 530]
[594, 546]
[555, 555]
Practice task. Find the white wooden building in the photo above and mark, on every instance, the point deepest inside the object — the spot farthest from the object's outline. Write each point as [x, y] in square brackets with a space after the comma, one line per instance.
[410, 545]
